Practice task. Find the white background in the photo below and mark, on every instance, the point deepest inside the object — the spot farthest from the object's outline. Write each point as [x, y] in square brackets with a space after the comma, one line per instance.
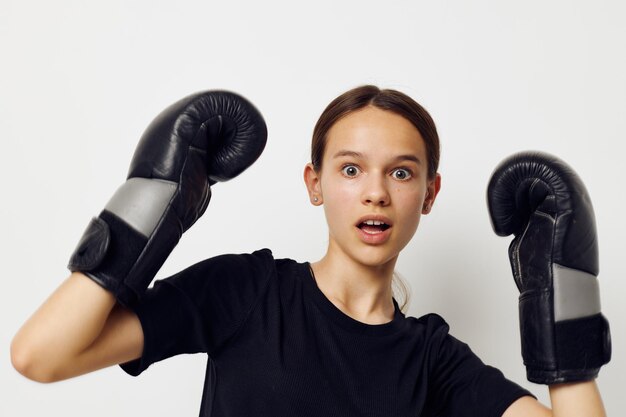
[81, 80]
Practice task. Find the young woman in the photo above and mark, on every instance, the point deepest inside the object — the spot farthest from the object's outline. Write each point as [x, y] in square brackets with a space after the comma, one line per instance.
[290, 338]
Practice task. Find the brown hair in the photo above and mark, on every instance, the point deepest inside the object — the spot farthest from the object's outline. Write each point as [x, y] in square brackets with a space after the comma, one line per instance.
[387, 99]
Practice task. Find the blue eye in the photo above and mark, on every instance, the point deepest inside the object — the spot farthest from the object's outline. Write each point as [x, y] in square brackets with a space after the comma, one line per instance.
[349, 170]
[402, 174]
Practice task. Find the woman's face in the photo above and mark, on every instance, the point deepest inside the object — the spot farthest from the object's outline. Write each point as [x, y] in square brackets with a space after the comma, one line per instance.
[374, 168]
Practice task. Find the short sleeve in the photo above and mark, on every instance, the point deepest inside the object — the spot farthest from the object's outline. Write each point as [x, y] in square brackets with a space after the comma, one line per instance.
[201, 307]
[462, 385]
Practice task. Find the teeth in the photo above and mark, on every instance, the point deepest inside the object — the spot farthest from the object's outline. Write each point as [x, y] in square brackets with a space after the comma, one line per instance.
[373, 223]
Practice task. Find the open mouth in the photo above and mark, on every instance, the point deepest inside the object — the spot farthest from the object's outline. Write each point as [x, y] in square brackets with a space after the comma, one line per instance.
[373, 226]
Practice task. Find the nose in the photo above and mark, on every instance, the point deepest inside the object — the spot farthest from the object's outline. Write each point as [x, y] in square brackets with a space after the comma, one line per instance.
[375, 191]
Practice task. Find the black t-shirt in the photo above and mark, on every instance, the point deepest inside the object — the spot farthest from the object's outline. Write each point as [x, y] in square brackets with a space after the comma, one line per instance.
[278, 347]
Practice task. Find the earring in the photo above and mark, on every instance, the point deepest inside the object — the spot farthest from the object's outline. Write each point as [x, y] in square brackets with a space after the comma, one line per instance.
[315, 199]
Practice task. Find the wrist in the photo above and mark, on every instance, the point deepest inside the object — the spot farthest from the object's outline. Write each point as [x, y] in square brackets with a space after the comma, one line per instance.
[576, 399]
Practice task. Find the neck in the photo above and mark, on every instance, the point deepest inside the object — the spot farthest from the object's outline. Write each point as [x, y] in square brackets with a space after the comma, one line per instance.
[363, 292]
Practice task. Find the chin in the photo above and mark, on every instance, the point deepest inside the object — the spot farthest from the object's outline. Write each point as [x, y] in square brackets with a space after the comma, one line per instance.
[375, 256]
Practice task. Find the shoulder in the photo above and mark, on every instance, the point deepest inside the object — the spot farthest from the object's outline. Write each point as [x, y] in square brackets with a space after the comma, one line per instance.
[261, 261]
[229, 263]
[230, 269]
[431, 321]
[430, 325]
[442, 347]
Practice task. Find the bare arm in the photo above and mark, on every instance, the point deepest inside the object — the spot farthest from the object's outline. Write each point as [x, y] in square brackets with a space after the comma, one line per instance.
[80, 328]
[580, 399]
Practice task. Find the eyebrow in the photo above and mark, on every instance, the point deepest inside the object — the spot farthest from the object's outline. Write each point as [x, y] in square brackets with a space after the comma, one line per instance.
[407, 157]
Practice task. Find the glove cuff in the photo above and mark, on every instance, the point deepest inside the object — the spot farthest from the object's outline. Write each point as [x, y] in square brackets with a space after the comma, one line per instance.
[92, 247]
[581, 346]
[107, 252]
[558, 377]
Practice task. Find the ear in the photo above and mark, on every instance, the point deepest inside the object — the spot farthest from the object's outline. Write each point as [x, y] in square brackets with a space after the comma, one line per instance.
[433, 187]
[312, 179]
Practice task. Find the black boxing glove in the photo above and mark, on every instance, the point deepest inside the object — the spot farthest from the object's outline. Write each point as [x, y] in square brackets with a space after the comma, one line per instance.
[554, 257]
[199, 140]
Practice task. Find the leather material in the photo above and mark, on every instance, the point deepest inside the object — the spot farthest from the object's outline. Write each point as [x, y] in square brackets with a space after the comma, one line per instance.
[537, 184]
[92, 246]
[226, 129]
[576, 293]
[201, 139]
[141, 202]
[542, 201]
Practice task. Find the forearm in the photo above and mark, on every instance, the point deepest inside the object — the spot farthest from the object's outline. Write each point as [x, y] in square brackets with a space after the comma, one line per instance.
[64, 326]
[576, 399]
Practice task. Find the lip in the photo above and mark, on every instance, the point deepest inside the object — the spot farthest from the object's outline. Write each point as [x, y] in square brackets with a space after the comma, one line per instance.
[374, 238]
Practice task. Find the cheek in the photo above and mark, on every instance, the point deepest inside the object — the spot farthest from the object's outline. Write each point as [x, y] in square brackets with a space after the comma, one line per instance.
[337, 201]
[412, 212]
[338, 193]
[412, 201]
